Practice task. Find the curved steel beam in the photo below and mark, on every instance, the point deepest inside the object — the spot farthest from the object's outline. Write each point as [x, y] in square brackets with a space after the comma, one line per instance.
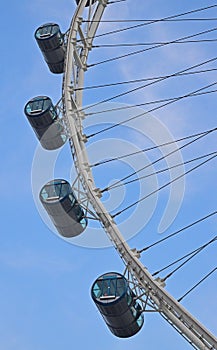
[75, 66]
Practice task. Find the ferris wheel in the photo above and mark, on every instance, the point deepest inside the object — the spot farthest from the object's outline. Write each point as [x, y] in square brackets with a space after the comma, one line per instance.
[122, 299]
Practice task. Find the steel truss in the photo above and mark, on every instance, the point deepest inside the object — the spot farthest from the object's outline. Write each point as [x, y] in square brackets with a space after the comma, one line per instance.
[152, 292]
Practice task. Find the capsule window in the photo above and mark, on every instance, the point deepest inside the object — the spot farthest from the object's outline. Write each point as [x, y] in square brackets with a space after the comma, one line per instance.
[140, 320]
[83, 222]
[120, 286]
[45, 31]
[134, 311]
[78, 211]
[71, 197]
[97, 290]
[60, 37]
[50, 192]
[129, 298]
[103, 289]
[44, 194]
[53, 112]
[109, 287]
[58, 190]
[37, 105]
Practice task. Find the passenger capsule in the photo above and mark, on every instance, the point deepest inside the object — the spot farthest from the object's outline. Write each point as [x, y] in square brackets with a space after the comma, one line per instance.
[63, 208]
[44, 120]
[117, 304]
[50, 41]
[87, 3]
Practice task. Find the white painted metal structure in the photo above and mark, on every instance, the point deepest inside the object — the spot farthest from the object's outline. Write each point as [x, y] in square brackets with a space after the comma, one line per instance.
[78, 47]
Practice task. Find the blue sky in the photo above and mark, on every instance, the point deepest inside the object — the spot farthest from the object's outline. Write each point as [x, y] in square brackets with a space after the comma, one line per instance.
[45, 282]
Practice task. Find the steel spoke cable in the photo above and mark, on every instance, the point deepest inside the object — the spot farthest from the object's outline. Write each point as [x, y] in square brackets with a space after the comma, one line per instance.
[115, 1]
[195, 251]
[172, 99]
[189, 258]
[163, 170]
[177, 232]
[197, 284]
[141, 80]
[99, 46]
[150, 83]
[152, 22]
[152, 148]
[151, 48]
[154, 162]
[150, 110]
[162, 187]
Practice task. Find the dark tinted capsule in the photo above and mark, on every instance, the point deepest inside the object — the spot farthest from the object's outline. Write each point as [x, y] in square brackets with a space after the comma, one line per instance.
[117, 304]
[63, 208]
[50, 41]
[44, 120]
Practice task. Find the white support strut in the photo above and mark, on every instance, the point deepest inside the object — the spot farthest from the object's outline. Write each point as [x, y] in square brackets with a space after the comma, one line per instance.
[172, 310]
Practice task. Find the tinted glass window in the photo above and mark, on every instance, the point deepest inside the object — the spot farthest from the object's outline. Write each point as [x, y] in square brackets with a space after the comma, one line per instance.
[57, 189]
[110, 286]
[47, 30]
[38, 105]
